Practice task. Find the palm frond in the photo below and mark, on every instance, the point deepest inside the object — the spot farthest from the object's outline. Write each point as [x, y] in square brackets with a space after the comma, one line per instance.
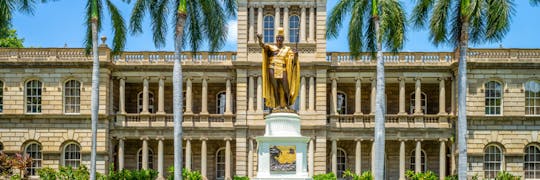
[336, 17]
[214, 23]
[535, 2]
[26, 6]
[371, 35]
[499, 13]
[439, 21]
[456, 24]
[477, 21]
[93, 10]
[137, 15]
[420, 13]
[5, 13]
[356, 25]
[119, 28]
[230, 7]
[158, 15]
[393, 25]
[193, 30]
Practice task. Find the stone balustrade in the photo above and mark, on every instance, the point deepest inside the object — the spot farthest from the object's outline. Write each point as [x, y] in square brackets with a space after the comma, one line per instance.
[391, 121]
[147, 58]
[167, 120]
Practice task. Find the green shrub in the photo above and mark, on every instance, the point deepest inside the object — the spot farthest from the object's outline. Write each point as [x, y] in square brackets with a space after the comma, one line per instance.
[47, 173]
[240, 178]
[366, 175]
[429, 175]
[452, 177]
[503, 175]
[187, 175]
[327, 176]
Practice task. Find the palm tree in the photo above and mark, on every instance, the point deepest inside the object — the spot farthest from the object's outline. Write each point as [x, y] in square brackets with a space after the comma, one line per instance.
[456, 23]
[195, 21]
[374, 22]
[94, 12]
[8, 7]
[535, 2]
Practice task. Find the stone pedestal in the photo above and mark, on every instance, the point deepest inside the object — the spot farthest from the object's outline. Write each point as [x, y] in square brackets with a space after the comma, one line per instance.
[282, 150]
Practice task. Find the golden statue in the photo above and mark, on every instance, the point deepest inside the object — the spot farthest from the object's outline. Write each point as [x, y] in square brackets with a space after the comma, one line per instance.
[280, 73]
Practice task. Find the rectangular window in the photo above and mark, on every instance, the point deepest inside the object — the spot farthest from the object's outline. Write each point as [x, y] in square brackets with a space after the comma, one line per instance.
[72, 97]
[493, 98]
[33, 96]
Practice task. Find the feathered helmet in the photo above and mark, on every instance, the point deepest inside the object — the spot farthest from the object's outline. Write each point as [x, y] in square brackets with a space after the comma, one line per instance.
[280, 32]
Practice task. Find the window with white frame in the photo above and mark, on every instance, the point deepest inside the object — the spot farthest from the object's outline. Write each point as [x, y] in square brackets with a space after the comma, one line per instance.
[423, 102]
[1, 96]
[34, 151]
[492, 161]
[33, 96]
[72, 155]
[341, 103]
[294, 28]
[532, 98]
[72, 97]
[531, 166]
[220, 164]
[221, 101]
[150, 159]
[150, 102]
[341, 162]
[493, 97]
[268, 29]
[423, 166]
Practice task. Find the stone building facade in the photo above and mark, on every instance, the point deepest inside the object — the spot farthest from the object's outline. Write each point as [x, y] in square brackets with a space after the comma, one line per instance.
[45, 105]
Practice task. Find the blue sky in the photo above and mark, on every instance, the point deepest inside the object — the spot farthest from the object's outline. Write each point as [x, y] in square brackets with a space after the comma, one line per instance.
[60, 23]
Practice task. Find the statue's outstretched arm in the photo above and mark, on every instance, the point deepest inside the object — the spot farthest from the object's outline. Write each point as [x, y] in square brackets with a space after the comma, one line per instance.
[259, 39]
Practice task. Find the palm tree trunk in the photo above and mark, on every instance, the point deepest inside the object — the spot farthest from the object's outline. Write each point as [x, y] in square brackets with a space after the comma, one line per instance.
[177, 96]
[379, 108]
[94, 98]
[462, 112]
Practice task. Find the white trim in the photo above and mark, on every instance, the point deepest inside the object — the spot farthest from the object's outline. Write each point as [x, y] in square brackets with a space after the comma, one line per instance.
[344, 104]
[25, 102]
[413, 154]
[63, 155]
[501, 162]
[151, 102]
[150, 160]
[40, 152]
[535, 98]
[337, 161]
[412, 102]
[64, 87]
[501, 106]
[218, 101]
[217, 160]
[536, 163]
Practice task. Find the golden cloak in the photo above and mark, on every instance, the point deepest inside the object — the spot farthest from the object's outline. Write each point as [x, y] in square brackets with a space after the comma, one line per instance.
[293, 76]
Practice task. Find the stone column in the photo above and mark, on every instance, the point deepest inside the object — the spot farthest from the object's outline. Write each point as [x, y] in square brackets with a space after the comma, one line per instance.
[122, 97]
[251, 89]
[373, 93]
[302, 24]
[312, 93]
[203, 157]
[188, 154]
[228, 96]
[333, 106]
[453, 99]
[277, 18]
[358, 157]
[402, 96]
[442, 159]
[161, 96]
[442, 98]
[260, 19]
[312, 24]
[453, 158]
[311, 156]
[372, 155]
[418, 157]
[401, 159]
[160, 158]
[204, 94]
[358, 97]
[259, 95]
[228, 158]
[144, 153]
[145, 96]
[251, 24]
[418, 97]
[121, 153]
[250, 158]
[303, 94]
[286, 23]
[189, 96]
[334, 156]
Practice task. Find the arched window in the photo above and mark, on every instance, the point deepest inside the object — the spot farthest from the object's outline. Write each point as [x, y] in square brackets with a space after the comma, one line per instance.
[33, 96]
[493, 98]
[492, 161]
[72, 155]
[268, 29]
[34, 151]
[150, 159]
[532, 98]
[221, 100]
[341, 103]
[531, 166]
[1, 96]
[294, 26]
[150, 102]
[423, 102]
[220, 164]
[423, 166]
[72, 96]
[341, 162]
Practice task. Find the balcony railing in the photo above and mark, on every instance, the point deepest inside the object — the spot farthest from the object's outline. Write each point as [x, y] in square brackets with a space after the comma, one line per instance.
[391, 120]
[167, 120]
[337, 58]
[134, 58]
